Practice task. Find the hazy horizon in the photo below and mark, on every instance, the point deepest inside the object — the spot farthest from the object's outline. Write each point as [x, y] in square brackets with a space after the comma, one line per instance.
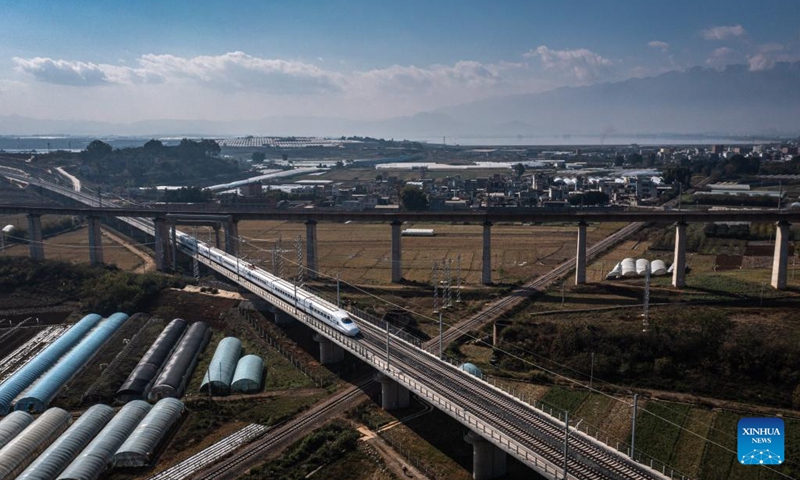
[214, 61]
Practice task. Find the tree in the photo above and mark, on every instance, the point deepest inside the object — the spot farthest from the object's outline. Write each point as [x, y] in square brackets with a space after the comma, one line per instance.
[592, 197]
[413, 198]
[681, 175]
[519, 169]
[153, 145]
[258, 157]
[97, 150]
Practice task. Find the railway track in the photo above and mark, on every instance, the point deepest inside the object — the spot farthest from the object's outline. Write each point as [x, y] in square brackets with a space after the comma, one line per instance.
[518, 295]
[523, 431]
[486, 404]
[254, 453]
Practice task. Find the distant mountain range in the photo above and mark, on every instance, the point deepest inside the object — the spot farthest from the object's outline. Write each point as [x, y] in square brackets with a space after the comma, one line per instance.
[733, 101]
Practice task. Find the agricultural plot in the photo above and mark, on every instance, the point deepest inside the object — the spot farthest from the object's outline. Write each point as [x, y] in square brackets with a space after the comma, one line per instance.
[73, 246]
[658, 427]
[362, 252]
[564, 399]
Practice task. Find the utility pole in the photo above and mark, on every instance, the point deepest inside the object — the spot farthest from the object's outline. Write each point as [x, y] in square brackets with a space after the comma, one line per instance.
[458, 280]
[646, 312]
[387, 346]
[195, 263]
[435, 287]
[566, 441]
[633, 424]
[338, 290]
[441, 336]
[298, 247]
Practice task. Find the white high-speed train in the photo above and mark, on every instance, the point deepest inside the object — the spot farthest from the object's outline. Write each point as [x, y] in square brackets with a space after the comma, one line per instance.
[305, 301]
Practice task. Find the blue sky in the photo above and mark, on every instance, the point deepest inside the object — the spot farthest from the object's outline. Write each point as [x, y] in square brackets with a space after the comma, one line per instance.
[127, 61]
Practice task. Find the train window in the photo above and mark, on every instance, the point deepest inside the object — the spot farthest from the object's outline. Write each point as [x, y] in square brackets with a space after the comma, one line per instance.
[346, 320]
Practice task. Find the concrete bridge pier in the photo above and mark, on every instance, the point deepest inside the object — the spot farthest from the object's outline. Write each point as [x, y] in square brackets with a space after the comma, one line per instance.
[488, 461]
[397, 256]
[679, 263]
[329, 352]
[95, 242]
[232, 237]
[282, 319]
[217, 242]
[393, 395]
[161, 230]
[35, 236]
[780, 261]
[311, 249]
[486, 273]
[580, 256]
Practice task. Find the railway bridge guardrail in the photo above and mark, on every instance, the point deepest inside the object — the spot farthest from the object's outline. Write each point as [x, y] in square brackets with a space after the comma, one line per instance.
[372, 354]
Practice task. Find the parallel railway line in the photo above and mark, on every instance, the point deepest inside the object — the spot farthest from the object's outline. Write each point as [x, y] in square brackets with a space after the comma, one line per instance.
[542, 434]
[529, 435]
[518, 295]
[278, 435]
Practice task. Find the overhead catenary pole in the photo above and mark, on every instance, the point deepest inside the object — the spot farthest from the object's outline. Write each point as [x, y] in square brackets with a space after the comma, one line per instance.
[435, 287]
[387, 346]
[458, 273]
[633, 425]
[441, 336]
[646, 312]
[566, 441]
[338, 290]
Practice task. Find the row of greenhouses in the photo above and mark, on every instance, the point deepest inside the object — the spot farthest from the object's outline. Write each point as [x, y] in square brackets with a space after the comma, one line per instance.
[53, 446]
[45, 374]
[227, 373]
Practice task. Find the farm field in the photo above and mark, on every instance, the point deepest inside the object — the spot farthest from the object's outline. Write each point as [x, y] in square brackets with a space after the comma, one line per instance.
[361, 252]
[73, 247]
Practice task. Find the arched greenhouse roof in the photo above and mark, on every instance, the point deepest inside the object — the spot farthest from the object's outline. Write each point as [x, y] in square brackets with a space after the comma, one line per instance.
[12, 424]
[138, 449]
[62, 451]
[93, 459]
[172, 379]
[219, 375]
[26, 446]
[25, 376]
[40, 394]
[140, 380]
[247, 377]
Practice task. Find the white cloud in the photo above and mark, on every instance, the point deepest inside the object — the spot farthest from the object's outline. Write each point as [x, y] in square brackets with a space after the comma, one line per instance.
[760, 62]
[582, 64]
[62, 72]
[233, 70]
[768, 54]
[242, 84]
[723, 32]
[663, 46]
[238, 70]
[720, 57]
[412, 79]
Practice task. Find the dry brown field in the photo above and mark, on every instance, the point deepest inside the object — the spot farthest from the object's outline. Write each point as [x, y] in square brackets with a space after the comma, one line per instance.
[361, 252]
[73, 247]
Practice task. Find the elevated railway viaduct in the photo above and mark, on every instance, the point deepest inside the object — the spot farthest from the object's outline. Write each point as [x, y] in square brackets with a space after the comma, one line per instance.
[500, 424]
[227, 218]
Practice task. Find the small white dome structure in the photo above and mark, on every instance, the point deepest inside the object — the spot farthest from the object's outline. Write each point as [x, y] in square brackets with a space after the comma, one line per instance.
[628, 267]
[641, 266]
[658, 267]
